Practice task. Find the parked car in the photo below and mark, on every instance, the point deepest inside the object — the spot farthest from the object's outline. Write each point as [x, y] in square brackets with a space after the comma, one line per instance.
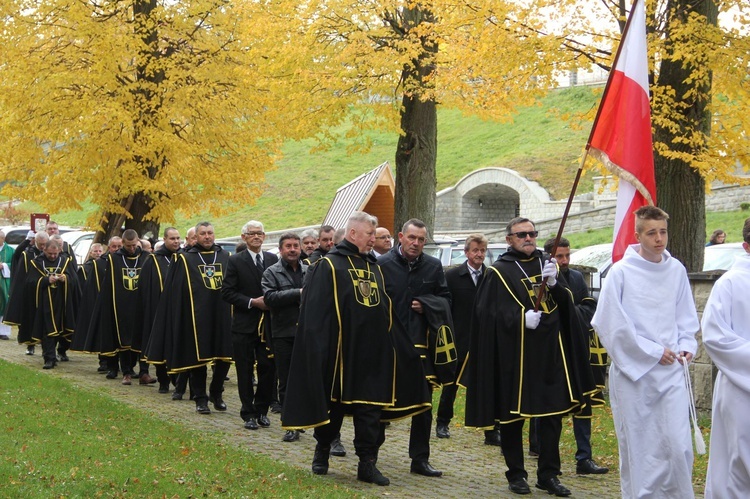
[451, 252]
[599, 260]
[80, 242]
[15, 234]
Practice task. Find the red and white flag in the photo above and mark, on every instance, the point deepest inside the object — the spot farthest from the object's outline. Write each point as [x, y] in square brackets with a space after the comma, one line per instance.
[621, 135]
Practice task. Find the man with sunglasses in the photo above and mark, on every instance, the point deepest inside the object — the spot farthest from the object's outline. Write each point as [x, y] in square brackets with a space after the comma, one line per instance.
[522, 358]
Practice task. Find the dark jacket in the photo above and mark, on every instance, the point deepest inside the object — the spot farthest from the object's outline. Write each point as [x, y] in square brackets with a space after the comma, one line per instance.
[404, 282]
[281, 288]
[241, 283]
[463, 290]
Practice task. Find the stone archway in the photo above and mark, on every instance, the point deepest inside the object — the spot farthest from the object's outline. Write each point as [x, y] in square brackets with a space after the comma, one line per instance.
[486, 199]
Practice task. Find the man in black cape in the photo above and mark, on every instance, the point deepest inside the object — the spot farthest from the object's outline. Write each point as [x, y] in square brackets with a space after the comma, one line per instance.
[31, 248]
[192, 325]
[93, 272]
[116, 325]
[524, 363]
[47, 301]
[343, 361]
[153, 275]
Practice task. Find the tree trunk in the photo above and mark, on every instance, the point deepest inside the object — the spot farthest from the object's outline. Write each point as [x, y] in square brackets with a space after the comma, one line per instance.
[680, 189]
[112, 225]
[416, 156]
[416, 152]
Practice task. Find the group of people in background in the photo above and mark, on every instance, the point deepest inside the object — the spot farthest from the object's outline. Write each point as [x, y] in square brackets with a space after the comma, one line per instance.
[345, 323]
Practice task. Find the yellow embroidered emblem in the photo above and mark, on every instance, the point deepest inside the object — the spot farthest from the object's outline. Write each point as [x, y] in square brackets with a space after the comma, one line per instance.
[130, 277]
[445, 348]
[366, 290]
[212, 275]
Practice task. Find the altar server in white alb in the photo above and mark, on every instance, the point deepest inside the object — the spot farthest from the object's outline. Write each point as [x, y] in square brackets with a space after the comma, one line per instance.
[646, 320]
[726, 336]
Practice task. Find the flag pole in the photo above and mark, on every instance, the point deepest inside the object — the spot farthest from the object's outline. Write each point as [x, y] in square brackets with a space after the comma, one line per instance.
[540, 292]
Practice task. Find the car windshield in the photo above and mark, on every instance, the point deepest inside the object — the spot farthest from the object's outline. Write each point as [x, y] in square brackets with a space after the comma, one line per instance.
[598, 256]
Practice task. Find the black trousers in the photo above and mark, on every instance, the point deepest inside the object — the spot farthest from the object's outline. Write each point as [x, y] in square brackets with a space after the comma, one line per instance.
[48, 348]
[125, 360]
[247, 349]
[419, 436]
[62, 344]
[369, 432]
[548, 431]
[282, 353]
[198, 377]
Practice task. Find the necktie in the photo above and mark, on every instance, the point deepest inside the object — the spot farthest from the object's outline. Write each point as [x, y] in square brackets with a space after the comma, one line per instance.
[475, 275]
[259, 261]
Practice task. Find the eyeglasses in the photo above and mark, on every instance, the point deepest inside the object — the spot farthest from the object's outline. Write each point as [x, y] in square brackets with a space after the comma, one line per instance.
[524, 234]
[255, 233]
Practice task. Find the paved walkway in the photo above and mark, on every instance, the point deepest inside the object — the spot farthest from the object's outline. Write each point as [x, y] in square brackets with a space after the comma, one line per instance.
[471, 469]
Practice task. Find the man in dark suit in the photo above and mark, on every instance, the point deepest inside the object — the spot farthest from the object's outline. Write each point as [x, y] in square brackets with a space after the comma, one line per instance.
[242, 288]
[463, 281]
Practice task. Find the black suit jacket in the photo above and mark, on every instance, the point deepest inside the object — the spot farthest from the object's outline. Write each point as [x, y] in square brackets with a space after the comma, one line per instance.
[463, 291]
[242, 282]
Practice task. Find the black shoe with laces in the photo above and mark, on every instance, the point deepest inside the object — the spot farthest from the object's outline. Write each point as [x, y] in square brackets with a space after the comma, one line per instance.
[519, 486]
[553, 487]
[589, 467]
[337, 449]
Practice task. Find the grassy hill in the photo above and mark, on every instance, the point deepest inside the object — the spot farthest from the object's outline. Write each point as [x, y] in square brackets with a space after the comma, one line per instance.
[539, 144]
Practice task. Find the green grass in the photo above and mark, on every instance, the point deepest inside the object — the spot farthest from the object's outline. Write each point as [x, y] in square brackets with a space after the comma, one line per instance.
[729, 221]
[59, 440]
[539, 144]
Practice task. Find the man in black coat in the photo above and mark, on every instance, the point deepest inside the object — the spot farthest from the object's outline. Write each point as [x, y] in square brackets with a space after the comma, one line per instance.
[462, 282]
[242, 288]
[410, 274]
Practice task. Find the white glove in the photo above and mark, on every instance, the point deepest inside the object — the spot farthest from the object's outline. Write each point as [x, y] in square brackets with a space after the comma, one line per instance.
[550, 272]
[532, 318]
[31, 235]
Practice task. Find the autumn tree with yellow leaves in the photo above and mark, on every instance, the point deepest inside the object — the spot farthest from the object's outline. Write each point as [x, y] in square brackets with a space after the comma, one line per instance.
[487, 57]
[142, 107]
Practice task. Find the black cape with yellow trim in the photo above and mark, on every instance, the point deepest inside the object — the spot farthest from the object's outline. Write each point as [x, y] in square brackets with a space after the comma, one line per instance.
[343, 350]
[441, 347]
[153, 276]
[93, 271]
[19, 270]
[48, 309]
[585, 308]
[192, 326]
[116, 320]
[512, 372]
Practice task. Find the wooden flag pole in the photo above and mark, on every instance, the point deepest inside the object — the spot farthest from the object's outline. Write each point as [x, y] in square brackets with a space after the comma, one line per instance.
[540, 292]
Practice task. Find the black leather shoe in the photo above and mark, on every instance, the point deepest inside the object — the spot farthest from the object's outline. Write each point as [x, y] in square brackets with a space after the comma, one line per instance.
[50, 364]
[202, 409]
[102, 369]
[111, 374]
[275, 408]
[62, 357]
[320, 460]
[177, 395]
[337, 449]
[264, 421]
[423, 468]
[553, 486]
[442, 431]
[492, 437]
[291, 436]
[30, 350]
[251, 424]
[218, 403]
[589, 467]
[164, 388]
[519, 486]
